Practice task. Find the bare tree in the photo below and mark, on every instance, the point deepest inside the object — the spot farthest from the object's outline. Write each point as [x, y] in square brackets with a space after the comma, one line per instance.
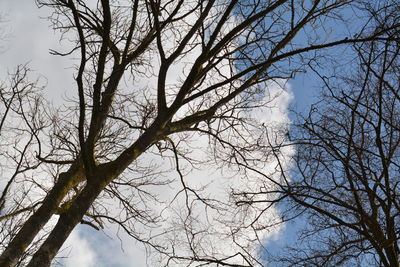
[345, 179]
[225, 53]
[21, 108]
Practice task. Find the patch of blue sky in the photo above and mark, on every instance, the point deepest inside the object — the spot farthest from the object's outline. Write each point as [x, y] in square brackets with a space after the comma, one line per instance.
[307, 85]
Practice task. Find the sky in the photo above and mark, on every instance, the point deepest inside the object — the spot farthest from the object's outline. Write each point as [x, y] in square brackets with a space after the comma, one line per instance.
[29, 40]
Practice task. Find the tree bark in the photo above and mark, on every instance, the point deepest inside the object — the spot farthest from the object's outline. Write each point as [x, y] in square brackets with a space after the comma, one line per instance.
[36, 222]
[66, 223]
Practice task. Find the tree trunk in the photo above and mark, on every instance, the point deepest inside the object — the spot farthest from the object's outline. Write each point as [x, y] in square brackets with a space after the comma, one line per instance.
[40, 217]
[392, 256]
[68, 220]
[66, 223]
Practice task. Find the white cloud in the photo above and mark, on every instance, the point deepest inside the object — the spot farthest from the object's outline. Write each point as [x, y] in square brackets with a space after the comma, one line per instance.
[30, 41]
[78, 252]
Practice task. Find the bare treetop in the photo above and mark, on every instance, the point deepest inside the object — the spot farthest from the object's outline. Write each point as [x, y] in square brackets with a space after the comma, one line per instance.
[152, 78]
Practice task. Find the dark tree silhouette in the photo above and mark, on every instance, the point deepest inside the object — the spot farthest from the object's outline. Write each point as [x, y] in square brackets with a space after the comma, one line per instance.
[226, 54]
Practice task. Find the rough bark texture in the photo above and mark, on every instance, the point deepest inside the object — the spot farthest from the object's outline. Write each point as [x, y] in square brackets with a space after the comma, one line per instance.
[40, 217]
[65, 225]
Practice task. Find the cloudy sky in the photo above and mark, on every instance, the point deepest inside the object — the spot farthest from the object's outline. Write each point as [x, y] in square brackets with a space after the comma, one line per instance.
[29, 40]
